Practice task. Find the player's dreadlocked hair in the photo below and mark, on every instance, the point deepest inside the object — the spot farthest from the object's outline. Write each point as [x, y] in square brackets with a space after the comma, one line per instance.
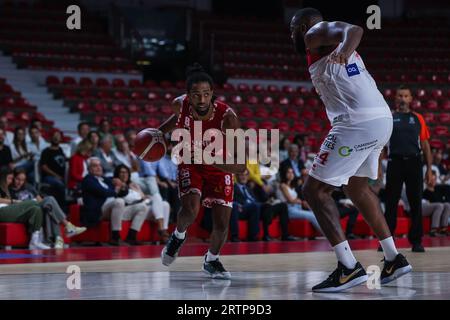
[195, 74]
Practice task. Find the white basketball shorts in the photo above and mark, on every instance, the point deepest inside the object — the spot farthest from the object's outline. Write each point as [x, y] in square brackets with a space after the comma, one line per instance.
[351, 150]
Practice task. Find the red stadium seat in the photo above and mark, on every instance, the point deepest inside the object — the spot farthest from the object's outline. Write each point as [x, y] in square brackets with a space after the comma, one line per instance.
[288, 89]
[299, 127]
[267, 124]
[228, 87]
[86, 82]
[100, 107]
[431, 105]
[137, 95]
[134, 83]
[120, 95]
[133, 108]
[284, 101]
[312, 102]
[250, 124]
[303, 91]
[299, 102]
[246, 112]
[421, 94]
[152, 123]
[416, 105]
[52, 81]
[169, 97]
[436, 144]
[273, 88]
[277, 113]
[444, 118]
[118, 83]
[292, 114]
[436, 93]
[243, 87]
[152, 96]
[117, 108]
[135, 122]
[83, 107]
[315, 127]
[445, 105]
[262, 112]
[102, 82]
[221, 98]
[283, 126]
[69, 81]
[236, 99]
[166, 109]
[268, 100]
[441, 131]
[150, 84]
[257, 88]
[307, 114]
[103, 95]
[150, 108]
[388, 93]
[252, 100]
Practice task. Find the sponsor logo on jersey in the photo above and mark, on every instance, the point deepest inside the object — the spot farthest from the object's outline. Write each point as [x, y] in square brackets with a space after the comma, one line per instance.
[352, 69]
[330, 142]
[345, 151]
[411, 120]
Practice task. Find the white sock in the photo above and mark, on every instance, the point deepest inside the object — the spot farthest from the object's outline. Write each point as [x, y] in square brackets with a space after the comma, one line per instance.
[211, 257]
[179, 235]
[389, 249]
[344, 254]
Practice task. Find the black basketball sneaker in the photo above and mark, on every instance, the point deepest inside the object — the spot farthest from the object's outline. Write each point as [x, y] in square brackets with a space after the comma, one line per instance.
[342, 278]
[215, 270]
[395, 269]
[170, 251]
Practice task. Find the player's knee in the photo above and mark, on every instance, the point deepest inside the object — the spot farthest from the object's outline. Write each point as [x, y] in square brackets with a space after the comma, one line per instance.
[190, 210]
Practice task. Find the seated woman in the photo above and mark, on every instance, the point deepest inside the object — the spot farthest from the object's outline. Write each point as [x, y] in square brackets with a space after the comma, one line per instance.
[53, 214]
[158, 208]
[434, 205]
[16, 211]
[77, 164]
[297, 208]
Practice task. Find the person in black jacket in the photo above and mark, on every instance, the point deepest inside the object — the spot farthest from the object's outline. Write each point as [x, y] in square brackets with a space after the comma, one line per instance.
[293, 161]
[104, 199]
[246, 206]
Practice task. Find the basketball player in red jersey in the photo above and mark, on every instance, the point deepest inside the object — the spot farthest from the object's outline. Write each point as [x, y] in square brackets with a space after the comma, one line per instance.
[210, 185]
[361, 124]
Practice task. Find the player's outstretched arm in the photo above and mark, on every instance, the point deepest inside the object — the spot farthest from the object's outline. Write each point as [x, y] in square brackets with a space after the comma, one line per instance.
[326, 34]
[170, 123]
[231, 121]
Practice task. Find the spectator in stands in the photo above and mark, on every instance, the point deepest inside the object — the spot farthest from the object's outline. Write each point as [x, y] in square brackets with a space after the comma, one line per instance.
[158, 209]
[78, 165]
[246, 207]
[9, 136]
[443, 174]
[83, 131]
[293, 161]
[284, 147]
[125, 156]
[408, 142]
[301, 140]
[437, 206]
[53, 169]
[6, 160]
[16, 211]
[103, 199]
[147, 174]
[297, 208]
[104, 130]
[38, 124]
[107, 156]
[20, 155]
[346, 208]
[166, 171]
[94, 138]
[130, 136]
[36, 144]
[54, 216]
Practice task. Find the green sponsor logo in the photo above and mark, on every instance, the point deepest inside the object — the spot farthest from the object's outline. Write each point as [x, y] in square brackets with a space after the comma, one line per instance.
[344, 151]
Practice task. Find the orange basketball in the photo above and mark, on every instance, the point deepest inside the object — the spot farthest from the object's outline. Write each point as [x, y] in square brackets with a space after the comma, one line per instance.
[150, 145]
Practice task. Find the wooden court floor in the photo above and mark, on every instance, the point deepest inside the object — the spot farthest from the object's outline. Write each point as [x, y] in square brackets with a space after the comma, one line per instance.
[275, 276]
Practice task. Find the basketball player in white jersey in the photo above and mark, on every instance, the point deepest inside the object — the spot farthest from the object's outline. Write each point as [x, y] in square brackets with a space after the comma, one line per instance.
[361, 125]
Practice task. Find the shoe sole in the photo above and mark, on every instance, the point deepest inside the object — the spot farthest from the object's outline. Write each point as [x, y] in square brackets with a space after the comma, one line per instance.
[397, 274]
[166, 259]
[74, 234]
[355, 282]
[217, 276]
